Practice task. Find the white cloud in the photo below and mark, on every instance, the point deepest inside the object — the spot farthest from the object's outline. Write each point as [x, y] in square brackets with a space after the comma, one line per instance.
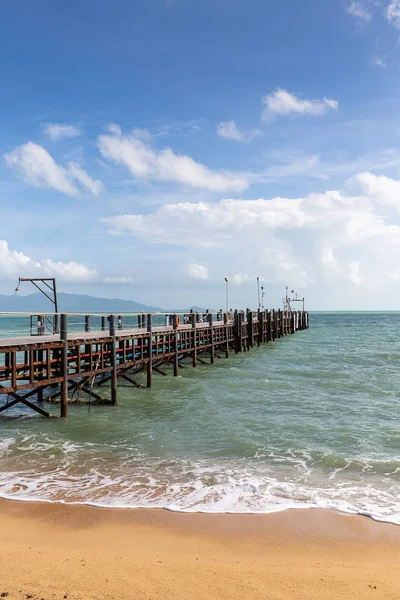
[359, 11]
[60, 131]
[11, 261]
[379, 61]
[281, 103]
[229, 130]
[196, 271]
[122, 279]
[37, 167]
[385, 189]
[93, 185]
[240, 278]
[295, 165]
[14, 264]
[393, 13]
[147, 163]
[354, 273]
[328, 259]
[71, 271]
[331, 237]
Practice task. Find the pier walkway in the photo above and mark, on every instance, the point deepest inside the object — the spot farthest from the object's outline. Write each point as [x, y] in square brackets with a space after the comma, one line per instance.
[61, 364]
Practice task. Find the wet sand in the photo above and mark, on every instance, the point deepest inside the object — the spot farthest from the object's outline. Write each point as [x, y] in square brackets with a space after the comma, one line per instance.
[55, 551]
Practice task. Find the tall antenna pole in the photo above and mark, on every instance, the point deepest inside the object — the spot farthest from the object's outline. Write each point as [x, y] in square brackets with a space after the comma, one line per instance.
[227, 294]
[258, 292]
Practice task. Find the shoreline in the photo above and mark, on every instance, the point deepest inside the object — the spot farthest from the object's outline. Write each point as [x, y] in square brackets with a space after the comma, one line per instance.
[184, 511]
[50, 550]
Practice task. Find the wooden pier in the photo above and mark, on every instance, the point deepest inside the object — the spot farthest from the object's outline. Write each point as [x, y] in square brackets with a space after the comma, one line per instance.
[47, 367]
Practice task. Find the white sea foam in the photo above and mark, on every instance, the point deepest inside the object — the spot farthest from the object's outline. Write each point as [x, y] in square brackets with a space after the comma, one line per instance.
[223, 487]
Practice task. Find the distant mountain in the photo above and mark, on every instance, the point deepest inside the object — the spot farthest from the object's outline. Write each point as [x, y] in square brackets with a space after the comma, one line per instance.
[70, 303]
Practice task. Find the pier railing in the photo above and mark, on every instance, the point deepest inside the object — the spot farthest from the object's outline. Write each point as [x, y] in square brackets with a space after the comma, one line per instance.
[87, 351]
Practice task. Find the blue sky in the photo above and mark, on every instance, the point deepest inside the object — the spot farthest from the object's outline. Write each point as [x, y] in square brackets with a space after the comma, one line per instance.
[149, 149]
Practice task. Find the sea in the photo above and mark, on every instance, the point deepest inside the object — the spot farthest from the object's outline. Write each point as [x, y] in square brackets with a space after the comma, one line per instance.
[311, 420]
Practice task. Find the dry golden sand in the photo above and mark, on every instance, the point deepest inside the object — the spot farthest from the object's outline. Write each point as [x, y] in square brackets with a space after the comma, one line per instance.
[51, 552]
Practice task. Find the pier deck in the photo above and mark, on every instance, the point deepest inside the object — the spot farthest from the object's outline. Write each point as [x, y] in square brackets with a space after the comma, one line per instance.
[58, 366]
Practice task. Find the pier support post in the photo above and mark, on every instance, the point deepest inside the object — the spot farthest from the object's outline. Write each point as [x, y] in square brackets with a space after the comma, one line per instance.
[260, 327]
[119, 322]
[236, 330]
[114, 380]
[210, 322]
[176, 344]
[226, 335]
[87, 322]
[103, 323]
[150, 350]
[250, 332]
[56, 323]
[64, 365]
[269, 326]
[194, 319]
[239, 332]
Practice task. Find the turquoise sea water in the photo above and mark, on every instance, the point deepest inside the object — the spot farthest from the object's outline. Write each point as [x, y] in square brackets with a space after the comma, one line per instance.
[310, 420]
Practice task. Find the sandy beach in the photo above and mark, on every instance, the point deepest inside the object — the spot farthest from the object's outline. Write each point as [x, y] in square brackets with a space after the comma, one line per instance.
[52, 551]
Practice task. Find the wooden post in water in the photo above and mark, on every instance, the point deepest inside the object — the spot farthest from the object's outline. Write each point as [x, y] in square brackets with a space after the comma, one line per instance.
[114, 383]
[119, 322]
[240, 331]
[103, 323]
[176, 357]
[260, 327]
[250, 332]
[236, 330]
[150, 351]
[64, 365]
[210, 322]
[226, 335]
[194, 319]
[40, 355]
[87, 323]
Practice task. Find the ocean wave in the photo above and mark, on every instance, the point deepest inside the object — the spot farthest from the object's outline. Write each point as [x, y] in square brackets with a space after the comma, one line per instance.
[200, 487]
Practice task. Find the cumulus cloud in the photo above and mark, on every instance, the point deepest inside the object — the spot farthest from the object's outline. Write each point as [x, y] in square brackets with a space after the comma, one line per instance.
[70, 271]
[282, 103]
[11, 261]
[196, 271]
[328, 237]
[393, 13]
[14, 263]
[229, 130]
[359, 11]
[37, 167]
[60, 131]
[354, 273]
[145, 162]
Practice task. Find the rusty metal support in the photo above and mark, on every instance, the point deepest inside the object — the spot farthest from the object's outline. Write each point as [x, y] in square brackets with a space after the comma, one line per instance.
[114, 379]
[150, 351]
[64, 365]
[194, 320]
[210, 322]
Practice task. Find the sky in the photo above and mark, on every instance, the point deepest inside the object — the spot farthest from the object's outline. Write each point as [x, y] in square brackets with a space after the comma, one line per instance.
[150, 149]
